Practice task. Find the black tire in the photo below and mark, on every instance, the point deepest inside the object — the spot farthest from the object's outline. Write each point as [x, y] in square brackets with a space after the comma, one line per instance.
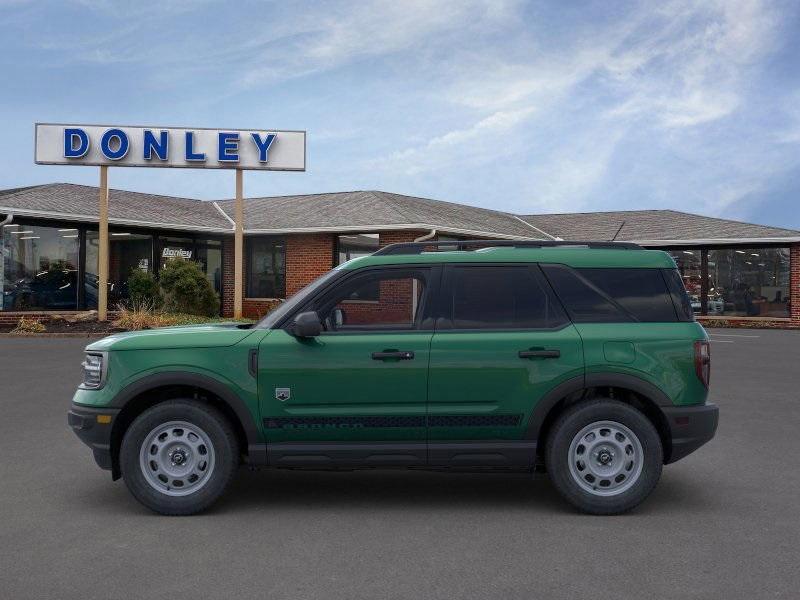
[565, 430]
[220, 435]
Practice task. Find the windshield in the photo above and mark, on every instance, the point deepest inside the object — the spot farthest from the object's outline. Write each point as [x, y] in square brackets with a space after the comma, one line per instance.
[279, 312]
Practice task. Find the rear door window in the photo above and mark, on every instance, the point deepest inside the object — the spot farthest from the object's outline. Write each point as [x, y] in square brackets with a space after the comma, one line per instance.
[499, 297]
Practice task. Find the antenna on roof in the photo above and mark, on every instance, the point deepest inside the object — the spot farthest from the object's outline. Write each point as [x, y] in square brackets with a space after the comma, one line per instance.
[618, 230]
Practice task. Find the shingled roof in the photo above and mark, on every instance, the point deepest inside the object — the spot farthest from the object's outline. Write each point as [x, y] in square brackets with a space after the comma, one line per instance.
[79, 203]
[652, 227]
[364, 211]
[374, 210]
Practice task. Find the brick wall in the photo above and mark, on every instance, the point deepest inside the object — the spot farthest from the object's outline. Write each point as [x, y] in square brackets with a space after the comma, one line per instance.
[394, 304]
[228, 266]
[307, 257]
[255, 309]
[794, 284]
[395, 237]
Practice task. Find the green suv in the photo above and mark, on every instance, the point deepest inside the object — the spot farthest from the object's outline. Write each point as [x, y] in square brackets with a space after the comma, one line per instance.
[579, 358]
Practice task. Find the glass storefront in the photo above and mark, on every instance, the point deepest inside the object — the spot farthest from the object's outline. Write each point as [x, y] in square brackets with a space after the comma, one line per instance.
[39, 267]
[176, 247]
[128, 251]
[54, 267]
[209, 255]
[266, 267]
[749, 282]
[736, 281]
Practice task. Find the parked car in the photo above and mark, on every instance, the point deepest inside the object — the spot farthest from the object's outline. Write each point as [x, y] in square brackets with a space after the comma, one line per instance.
[50, 289]
[715, 305]
[579, 359]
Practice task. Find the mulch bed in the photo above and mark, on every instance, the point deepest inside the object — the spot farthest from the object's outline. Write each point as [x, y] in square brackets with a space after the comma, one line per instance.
[62, 326]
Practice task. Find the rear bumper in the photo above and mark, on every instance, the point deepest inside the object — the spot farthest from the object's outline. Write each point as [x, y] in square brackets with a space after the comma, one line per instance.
[690, 427]
[93, 432]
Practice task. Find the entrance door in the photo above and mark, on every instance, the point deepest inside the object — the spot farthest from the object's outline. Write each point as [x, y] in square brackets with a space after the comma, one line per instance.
[502, 341]
[357, 392]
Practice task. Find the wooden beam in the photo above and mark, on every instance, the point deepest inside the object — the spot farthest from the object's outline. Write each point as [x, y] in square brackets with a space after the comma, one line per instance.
[103, 254]
[238, 254]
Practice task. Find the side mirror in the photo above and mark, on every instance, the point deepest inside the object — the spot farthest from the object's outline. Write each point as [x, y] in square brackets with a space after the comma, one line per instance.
[307, 325]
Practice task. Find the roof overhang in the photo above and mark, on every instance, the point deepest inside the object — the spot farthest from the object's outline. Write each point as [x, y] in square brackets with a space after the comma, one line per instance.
[391, 227]
[274, 231]
[111, 220]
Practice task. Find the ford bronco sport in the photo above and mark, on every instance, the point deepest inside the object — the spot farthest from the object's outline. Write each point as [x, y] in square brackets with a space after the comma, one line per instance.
[579, 358]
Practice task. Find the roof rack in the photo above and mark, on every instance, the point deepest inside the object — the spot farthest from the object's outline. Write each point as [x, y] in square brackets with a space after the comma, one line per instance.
[420, 247]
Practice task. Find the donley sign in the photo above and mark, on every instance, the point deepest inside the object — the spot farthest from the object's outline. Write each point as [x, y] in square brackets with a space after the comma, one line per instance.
[188, 148]
[197, 148]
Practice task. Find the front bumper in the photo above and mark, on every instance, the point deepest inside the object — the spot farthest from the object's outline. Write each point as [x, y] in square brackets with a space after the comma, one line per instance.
[690, 427]
[93, 426]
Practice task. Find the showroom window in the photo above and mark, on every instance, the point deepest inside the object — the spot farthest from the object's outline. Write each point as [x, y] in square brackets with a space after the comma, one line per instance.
[39, 267]
[749, 282]
[266, 267]
[355, 245]
[209, 255]
[128, 251]
[737, 281]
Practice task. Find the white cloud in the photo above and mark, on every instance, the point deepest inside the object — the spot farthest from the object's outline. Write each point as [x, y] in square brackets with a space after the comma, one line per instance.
[681, 66]
[341, 33]
[476, 143]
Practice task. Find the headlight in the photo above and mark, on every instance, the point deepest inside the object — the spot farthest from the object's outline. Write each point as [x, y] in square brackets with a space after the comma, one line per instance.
[94, 371]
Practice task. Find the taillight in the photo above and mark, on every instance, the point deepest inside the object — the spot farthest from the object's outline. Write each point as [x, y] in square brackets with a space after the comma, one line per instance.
[702, 361]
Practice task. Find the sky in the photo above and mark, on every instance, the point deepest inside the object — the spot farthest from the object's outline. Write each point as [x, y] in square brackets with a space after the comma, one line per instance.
[528, 107]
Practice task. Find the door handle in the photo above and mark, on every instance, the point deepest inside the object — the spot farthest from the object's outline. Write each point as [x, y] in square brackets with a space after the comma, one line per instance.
[539, 353]
[252, 362]
[393, 354]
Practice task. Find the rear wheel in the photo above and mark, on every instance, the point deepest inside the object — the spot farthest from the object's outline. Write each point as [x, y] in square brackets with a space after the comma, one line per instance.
[604, 456]
[178, 457]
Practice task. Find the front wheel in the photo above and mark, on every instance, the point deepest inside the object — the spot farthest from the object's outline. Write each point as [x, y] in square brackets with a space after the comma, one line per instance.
[604, 456]
[178, 457]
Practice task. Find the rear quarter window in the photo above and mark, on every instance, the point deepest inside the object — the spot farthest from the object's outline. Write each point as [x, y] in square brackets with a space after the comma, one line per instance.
[611, 295]
[680, 299]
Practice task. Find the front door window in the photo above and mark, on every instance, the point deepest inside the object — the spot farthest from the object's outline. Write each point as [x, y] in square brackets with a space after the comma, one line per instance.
[365, 378]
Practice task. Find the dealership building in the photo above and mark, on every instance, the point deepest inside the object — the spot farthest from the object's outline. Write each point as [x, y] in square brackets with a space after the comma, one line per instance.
[742, 273]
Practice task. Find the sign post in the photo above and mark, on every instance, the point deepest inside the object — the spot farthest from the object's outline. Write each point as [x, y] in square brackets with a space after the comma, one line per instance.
[175, 147]
[238, 244]
[103, 253]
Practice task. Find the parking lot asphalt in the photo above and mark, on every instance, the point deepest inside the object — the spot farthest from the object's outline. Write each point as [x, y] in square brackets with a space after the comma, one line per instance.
[723, 523]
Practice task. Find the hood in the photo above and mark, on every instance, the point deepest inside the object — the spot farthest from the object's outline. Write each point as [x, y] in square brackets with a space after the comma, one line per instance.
[188, 336]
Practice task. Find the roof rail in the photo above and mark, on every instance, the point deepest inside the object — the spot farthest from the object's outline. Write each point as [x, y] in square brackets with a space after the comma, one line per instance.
[419, 247]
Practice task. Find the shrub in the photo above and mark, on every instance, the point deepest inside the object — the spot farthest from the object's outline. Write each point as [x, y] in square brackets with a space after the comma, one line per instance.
[142, 316]
[143, 289]
[186, 290]
[137, 317]
[26, 325]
